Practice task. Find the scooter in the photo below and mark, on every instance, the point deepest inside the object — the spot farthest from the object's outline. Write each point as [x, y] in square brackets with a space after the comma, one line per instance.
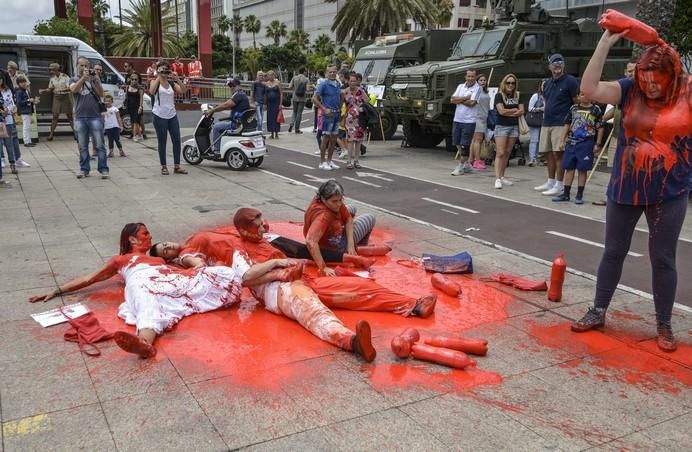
[241, 146]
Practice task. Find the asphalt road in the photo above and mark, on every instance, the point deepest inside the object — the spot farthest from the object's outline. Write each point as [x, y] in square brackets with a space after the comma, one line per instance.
[530, 230]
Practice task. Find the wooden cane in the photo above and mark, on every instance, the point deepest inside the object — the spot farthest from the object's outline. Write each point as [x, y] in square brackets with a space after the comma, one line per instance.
[379, 116]
[600, 155]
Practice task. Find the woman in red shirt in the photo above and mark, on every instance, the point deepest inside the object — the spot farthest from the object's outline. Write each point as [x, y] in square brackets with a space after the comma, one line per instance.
[330, 224]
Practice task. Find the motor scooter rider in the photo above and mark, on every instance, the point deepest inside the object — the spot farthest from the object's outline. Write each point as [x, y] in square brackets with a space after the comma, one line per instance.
[238, 103]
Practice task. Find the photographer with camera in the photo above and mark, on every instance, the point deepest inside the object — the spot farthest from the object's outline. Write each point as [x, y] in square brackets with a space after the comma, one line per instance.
[163, 89]
[87, 92]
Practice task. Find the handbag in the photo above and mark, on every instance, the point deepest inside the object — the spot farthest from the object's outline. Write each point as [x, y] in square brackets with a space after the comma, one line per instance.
[459, 263]
[102, 106]
[3, 130]
[280, 117]
[523, 126]
[486, 150]
[86, 330]
[534, 118]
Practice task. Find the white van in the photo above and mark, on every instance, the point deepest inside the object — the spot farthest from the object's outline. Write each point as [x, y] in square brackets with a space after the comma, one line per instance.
[33, 54]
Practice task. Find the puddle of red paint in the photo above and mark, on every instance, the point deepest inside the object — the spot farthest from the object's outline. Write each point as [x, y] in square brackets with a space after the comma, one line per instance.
[613, 360]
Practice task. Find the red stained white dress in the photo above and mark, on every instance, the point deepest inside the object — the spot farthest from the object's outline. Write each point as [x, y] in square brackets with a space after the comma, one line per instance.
[157, 296]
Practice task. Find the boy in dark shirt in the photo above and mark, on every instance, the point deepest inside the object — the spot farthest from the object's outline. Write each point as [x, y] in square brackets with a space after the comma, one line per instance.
[582, 131]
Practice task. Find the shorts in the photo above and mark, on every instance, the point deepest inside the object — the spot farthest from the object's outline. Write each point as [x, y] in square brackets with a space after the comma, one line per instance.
[506, 131]
[62, 104]
[462, 133]
[330, 124]
[550, 139]
[578, 156]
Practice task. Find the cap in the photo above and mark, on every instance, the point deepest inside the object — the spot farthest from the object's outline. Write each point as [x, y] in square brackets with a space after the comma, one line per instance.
[231, 82]
[556, 58]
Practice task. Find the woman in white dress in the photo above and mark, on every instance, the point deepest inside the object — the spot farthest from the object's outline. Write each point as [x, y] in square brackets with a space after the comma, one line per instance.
[157, 295]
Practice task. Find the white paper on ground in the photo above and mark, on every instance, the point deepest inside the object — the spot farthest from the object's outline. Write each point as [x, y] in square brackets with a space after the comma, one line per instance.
[362, 274]
[54, 316]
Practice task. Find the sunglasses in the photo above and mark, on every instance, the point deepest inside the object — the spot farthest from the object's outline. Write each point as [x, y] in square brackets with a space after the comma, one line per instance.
[510, 83]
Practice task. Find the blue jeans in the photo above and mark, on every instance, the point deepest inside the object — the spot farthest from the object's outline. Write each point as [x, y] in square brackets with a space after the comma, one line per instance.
[535, 135]
[91, 127]
[172, 127]
[216, 131]
[11, 143]
[259, 114]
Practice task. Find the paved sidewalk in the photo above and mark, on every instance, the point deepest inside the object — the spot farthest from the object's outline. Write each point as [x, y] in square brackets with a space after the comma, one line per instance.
[244, 378]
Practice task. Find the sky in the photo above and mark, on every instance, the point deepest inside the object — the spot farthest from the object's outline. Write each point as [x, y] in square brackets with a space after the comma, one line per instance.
[17, 19]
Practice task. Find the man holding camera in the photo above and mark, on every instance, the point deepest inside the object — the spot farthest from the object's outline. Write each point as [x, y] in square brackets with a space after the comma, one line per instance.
[87, 92]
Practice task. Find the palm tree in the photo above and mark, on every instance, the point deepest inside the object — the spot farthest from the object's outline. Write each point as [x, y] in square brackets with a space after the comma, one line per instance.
[223, 24]
[300, 38]
[252, 25]
[367, 19]
[444, 10]
[276, 30]
[135, 39]
[237, 28]
[323, 46]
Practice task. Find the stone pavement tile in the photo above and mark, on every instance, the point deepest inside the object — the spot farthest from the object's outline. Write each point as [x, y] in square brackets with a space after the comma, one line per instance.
[576, 290]
[308, 441]
[246, 413]
[13, 253]
[26, 339]
[330, 394]
[16, 304]
[385, 430]
[458, 244]
[417, 248]
[629, 389]
[117, 374]
[81, 428]
[671, 435]
[165, 420]
[468, 422]
[501, 262]
[26, 275]
[36, 385]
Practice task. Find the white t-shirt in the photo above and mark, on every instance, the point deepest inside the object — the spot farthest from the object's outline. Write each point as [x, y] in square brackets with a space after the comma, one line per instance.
[9, 105]
[164, 102]
[463, 113]
[110, 120]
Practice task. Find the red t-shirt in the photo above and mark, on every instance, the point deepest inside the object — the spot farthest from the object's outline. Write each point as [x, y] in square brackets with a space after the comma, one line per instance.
[262, 251]
[325, 226]
[215, 248]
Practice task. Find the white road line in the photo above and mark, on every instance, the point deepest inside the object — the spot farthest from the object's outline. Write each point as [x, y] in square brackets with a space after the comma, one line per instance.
[300, 164]
[452, 206]
[588, 242]
[362, 182]
[505, 249]
[449, 211]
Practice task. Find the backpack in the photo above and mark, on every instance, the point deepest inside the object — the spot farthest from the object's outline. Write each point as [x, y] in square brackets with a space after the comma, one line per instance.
[300, 89]
[369, 117]
[492, 119]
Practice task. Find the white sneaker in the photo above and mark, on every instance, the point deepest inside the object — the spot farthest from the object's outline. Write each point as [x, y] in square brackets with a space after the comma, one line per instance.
[333, 165]
[506, 181]
[498, 184]
[2, 162]
[343, 155]
[457, 171]
[555, 191]
[547, 185]
[22, 164]
[467, 167]
[317, 152]
[325, 166]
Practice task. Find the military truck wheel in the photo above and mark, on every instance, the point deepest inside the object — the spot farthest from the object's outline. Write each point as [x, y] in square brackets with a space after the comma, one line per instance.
[389, 124]
[417, 138]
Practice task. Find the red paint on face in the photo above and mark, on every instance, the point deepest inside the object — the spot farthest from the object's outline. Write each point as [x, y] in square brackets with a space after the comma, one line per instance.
[654, 83]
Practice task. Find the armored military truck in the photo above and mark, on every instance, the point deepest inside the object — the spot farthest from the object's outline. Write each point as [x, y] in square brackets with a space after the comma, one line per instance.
[376, 60]
[518, 43]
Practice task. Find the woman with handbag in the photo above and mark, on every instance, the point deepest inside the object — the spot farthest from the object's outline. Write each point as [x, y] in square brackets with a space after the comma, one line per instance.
[273, 95]
[163, 90]
[534, 119]
[507, 126]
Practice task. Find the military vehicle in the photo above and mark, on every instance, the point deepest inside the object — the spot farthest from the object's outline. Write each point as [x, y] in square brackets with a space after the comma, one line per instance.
[519, 42]
[376, 60]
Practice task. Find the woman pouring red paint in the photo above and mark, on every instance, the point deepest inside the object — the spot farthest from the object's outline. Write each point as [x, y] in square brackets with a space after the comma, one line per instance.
[331, 224]
[157, 296]
[651, 173]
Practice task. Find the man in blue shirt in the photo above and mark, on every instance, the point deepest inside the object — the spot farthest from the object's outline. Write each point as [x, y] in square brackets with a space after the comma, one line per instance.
[238, 103]
[560, 93]
[328, 98]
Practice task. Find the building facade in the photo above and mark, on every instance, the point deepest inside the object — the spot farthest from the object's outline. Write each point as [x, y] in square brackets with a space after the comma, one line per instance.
[313, 16]
[469, 14]
[183, 10]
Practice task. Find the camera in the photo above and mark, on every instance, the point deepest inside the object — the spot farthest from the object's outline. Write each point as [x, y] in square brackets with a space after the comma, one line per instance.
[92, 72]
[165, 72]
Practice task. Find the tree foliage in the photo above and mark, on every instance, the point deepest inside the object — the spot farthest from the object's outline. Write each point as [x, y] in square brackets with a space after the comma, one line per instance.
[58, 26]
[252, 25]
[276, 30]
[237, 28]
[323, 45]
[136, 39]
[444, 10]
[251, 61]
[221, 55]
[287, 57]
[300, 38]
[188, 44]
[223, 24]
[367, 19]
[679, 32]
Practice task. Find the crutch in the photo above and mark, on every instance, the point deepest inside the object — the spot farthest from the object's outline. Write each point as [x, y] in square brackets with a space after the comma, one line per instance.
[600, 155]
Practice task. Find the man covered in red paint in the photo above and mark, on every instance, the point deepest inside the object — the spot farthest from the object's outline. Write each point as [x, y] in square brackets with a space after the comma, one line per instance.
[292, 299]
